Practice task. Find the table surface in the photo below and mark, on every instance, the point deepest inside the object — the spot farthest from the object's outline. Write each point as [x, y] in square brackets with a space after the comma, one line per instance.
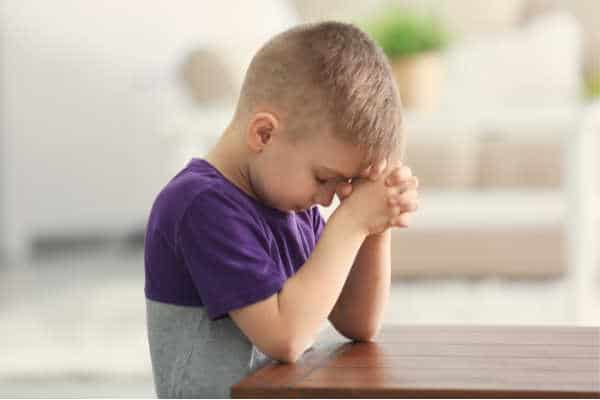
[440, 361]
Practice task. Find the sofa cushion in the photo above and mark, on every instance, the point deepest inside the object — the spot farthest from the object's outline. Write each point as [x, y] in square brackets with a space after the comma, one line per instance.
[484, 251]
[530, 164]
[537, 65]
[442, 150]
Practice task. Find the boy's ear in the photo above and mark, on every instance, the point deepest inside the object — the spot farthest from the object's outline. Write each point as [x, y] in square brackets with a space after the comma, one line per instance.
[263, 126]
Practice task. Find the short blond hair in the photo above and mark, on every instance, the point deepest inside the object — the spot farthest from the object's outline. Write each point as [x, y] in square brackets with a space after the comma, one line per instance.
[331, 75]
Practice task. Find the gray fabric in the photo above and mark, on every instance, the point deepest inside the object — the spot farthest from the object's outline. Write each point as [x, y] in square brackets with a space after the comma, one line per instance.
[193, 356]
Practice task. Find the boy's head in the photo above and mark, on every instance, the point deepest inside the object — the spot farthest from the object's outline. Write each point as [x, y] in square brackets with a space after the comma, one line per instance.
[315, 98]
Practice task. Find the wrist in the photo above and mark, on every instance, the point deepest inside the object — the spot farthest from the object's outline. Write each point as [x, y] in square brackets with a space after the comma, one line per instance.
[380, 235]
[345, 217]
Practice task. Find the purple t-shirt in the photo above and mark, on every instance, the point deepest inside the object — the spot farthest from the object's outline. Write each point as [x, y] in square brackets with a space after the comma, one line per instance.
[210, 244]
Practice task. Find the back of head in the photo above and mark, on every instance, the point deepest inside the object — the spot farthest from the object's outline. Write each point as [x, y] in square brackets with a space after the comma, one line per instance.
[330, 76]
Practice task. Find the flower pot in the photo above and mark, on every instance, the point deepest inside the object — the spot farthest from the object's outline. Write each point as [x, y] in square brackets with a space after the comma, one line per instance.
[419, 78]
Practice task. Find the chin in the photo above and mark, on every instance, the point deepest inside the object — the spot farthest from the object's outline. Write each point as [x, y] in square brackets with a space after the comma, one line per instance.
[290, 207]
[284, 208]
[302, 208]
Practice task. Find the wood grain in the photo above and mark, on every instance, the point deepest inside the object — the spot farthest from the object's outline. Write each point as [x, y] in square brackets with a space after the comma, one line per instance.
[441, 361]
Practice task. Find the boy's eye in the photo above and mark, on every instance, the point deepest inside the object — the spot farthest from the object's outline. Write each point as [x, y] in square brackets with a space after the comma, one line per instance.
[321, 181]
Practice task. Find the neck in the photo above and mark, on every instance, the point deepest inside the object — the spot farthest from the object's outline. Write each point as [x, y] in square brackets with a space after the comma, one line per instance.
[230, 157]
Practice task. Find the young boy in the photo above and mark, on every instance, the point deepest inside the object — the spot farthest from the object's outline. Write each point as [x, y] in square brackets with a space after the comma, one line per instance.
[240, 267]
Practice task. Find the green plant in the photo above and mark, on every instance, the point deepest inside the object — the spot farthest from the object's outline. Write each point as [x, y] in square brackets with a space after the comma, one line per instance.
[592, 85]
[402, 33]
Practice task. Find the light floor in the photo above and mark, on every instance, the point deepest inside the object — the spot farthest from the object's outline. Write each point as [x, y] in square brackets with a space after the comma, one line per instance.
[75, 326]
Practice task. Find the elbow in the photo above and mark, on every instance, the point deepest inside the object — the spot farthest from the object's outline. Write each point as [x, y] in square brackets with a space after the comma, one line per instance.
[289, 358]
[364, 334]
[291, 350]
[368, 336]
[283, 355]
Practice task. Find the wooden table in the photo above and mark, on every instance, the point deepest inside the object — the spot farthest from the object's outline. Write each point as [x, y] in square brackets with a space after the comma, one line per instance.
[440, 361]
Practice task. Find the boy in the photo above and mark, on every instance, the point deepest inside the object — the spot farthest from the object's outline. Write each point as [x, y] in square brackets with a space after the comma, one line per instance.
[240, 267]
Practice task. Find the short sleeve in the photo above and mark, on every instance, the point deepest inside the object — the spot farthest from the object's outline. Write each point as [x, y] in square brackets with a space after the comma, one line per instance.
[318, 223]
[226, 251]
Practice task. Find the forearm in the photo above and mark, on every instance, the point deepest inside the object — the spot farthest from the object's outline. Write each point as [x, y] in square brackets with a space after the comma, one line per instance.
[360, 308]
[307, 298]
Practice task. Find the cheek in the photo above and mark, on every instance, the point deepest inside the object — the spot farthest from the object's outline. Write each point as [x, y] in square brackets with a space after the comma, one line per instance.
[283, 192]
[298, 190]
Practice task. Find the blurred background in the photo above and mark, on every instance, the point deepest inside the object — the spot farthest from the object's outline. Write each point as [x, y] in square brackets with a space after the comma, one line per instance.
[101, 103]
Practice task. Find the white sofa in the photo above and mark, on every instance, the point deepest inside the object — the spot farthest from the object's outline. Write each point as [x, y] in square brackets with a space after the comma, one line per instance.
[514, 229]
[499, 179]
[93, 123]
[493, 159]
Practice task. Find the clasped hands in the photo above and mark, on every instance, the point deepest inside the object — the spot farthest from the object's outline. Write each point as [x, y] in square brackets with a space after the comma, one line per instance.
[401, 191]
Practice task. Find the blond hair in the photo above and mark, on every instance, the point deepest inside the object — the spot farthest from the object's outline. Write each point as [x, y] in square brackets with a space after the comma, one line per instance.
[328, 75]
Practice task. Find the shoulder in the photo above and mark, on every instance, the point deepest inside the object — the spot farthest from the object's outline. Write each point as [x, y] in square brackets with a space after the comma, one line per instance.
[220, 203]
[197, 180]
[199, 191]
[200, 184]
[212, 208]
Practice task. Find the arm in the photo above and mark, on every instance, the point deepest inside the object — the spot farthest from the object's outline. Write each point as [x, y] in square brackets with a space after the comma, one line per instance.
[285, 324]
[359, 310]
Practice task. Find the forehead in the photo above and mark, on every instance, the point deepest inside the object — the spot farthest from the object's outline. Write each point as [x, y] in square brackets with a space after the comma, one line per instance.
[334, 154]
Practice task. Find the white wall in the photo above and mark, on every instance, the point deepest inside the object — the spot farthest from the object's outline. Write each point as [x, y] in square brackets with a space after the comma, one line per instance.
[82, 108]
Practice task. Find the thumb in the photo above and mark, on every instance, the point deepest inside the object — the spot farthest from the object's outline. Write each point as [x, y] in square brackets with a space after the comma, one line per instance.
[343, 190]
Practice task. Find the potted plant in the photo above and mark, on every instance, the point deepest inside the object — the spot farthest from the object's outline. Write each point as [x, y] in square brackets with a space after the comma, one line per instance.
[592, 85]
[413, 43]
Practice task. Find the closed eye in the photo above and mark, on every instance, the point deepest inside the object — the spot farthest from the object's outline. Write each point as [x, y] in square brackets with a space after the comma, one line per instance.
[336, 180]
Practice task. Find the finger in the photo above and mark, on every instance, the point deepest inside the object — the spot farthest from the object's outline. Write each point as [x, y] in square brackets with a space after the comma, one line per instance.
[398, 175]
[394, 177]
[376, 171]
[404, 205]
[405, 172]
[365, 172]
[402, 187]
[343, 190]
[410, 207]
[408, 202]
[394, 211]
[346, 189]
[393, 201]
[404, 198]
[401, 221]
